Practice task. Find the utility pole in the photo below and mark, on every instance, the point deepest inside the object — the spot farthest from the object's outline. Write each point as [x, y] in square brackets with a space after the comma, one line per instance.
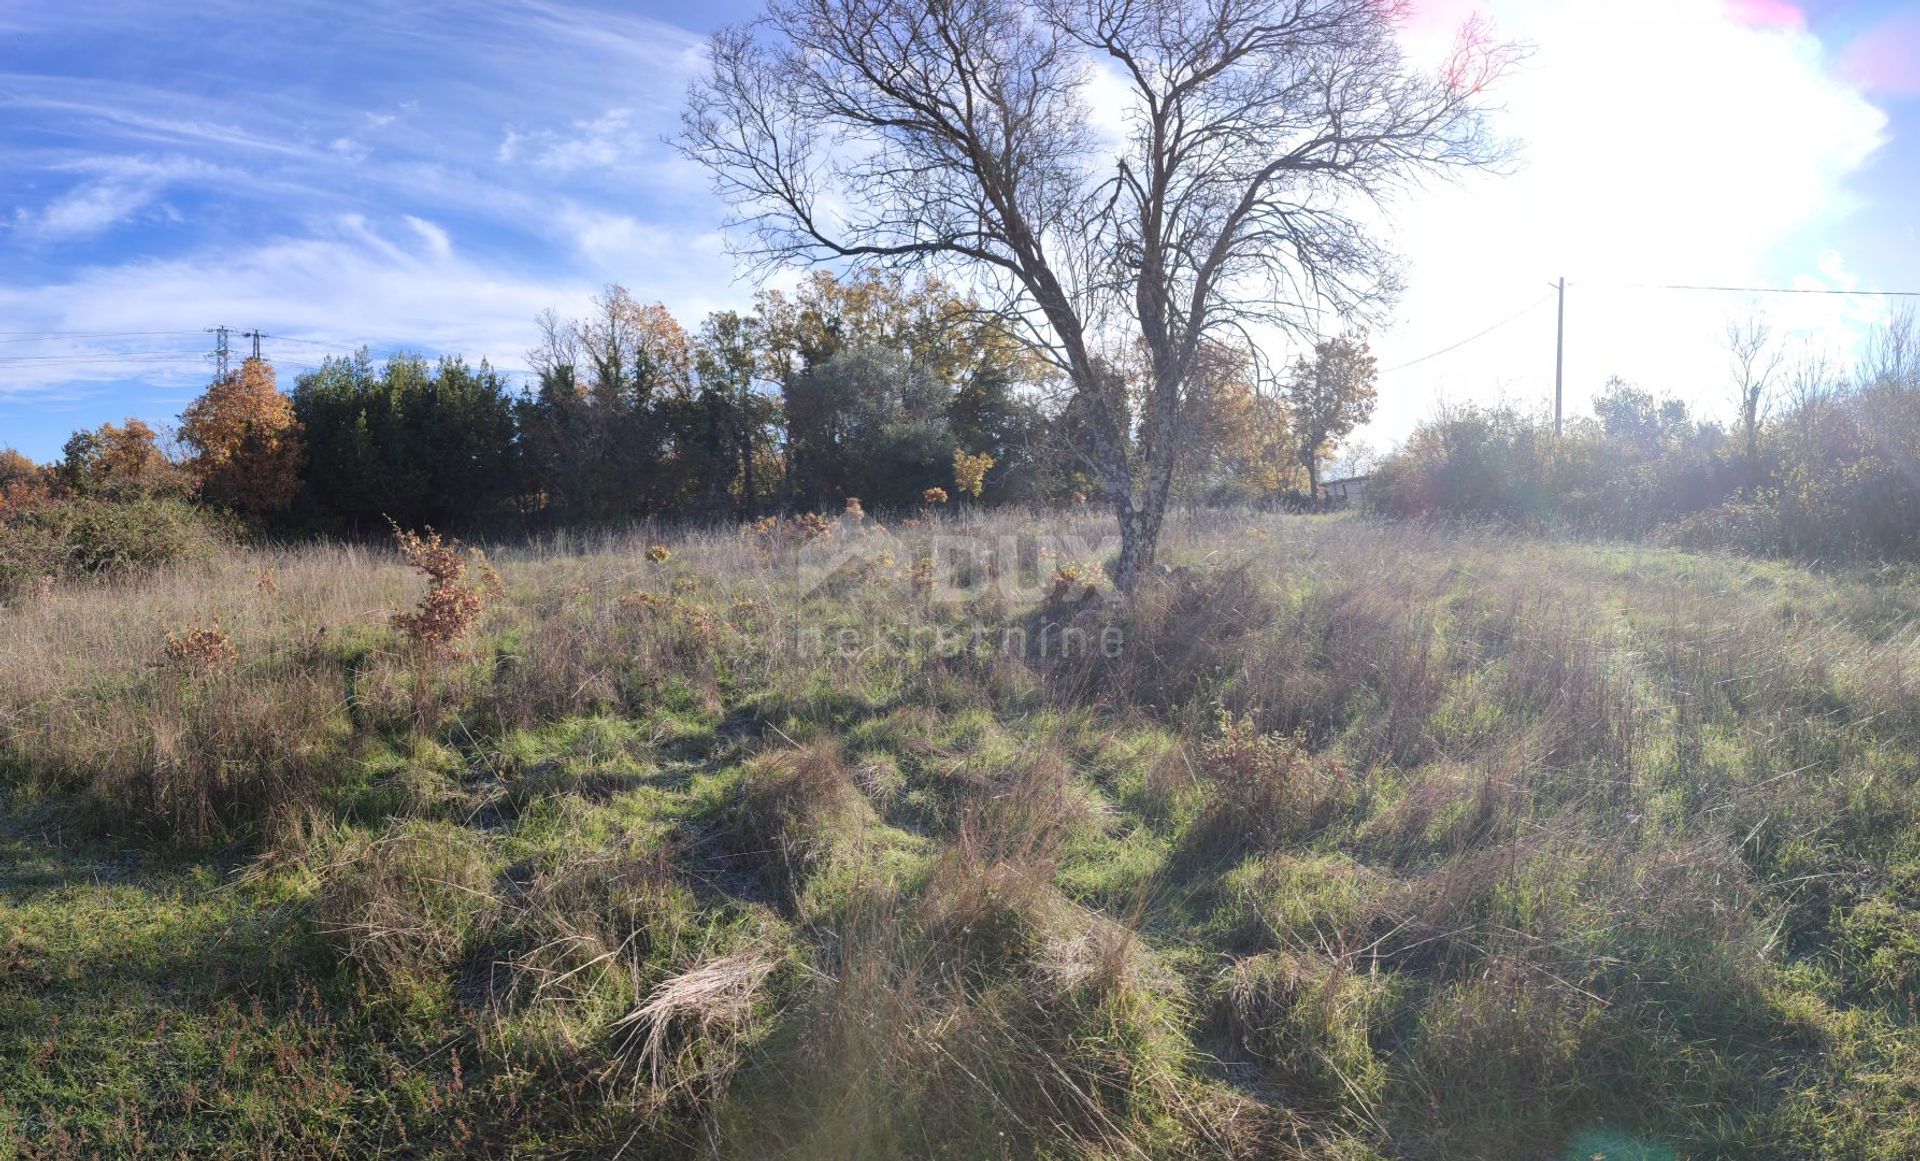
[221, 352]
[1560, 359]
[256, 336]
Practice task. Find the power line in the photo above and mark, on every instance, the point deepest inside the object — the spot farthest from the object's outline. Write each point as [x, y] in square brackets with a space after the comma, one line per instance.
[135, 356]
[1764, 289]
[1514, 317]
[90, 334]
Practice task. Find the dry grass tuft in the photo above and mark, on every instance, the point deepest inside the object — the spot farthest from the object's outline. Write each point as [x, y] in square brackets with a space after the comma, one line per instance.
[792, 809]
[1306, 1019]
[687, 1033]
[405, 906]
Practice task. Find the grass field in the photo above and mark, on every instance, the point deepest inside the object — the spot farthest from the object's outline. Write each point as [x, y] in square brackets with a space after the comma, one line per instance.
[1341, 840]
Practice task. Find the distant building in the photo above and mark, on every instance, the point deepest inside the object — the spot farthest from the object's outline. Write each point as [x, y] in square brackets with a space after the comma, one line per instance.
[1343, 491]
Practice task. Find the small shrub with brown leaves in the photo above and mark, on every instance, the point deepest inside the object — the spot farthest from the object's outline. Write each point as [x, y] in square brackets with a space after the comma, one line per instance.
[1266, 789]
[934, 497]
[451, 605]
[201, 649]
[1066, 579]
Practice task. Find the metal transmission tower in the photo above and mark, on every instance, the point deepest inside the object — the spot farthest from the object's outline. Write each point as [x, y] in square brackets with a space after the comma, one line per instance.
[256, 336]
[221, 353]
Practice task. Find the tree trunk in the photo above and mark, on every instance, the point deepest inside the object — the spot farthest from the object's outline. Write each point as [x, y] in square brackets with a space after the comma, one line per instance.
[1139, 540]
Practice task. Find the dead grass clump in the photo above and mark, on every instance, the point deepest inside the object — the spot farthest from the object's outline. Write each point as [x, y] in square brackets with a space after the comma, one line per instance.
[989, 898]
[904, 1049]
[1181, 633]
[220, 758]
[406, 905]
[792, 810]
[1388, 643]
[1307, 1020]
[691, 1032]
[589, 927]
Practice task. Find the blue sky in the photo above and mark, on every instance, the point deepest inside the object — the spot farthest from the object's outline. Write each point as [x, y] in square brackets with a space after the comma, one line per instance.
[429, 176]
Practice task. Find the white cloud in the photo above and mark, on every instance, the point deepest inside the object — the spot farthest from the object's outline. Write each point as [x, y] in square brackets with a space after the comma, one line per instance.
[439, 245]
[1664, 141]
[86, 211]
[351, 281]
[607, 142]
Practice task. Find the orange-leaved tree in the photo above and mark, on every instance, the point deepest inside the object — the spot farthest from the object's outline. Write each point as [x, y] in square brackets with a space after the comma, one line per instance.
[23, 483]
[247, 443]
[119, 461]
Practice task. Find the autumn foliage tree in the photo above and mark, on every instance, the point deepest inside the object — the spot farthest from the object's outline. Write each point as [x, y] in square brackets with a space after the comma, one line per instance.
[247, 443]
[119, 461]
[1247, 447]
[1329, 395]
[614, 390]
[23, 483]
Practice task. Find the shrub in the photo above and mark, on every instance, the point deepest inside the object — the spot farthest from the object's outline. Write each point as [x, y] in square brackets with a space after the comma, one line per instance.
[451, 605]
[201, 649]
[1266, 788]
[84, 538]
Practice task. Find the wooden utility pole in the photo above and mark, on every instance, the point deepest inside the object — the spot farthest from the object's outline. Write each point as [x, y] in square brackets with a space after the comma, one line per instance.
[1560, 359]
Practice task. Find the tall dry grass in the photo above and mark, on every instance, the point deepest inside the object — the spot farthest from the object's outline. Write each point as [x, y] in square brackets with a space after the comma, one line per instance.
[1367, 838]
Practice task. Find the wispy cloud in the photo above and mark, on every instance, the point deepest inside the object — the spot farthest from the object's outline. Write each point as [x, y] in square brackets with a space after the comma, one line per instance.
[91, 209]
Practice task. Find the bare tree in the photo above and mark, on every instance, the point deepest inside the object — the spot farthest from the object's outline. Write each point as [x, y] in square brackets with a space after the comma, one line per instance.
[1755, 363]
[1891, 361]
[1258, 137]
[1812, 385]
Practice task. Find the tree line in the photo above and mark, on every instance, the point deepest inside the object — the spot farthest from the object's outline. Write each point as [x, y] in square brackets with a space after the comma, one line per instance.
[870, 387]
[1818, 461]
